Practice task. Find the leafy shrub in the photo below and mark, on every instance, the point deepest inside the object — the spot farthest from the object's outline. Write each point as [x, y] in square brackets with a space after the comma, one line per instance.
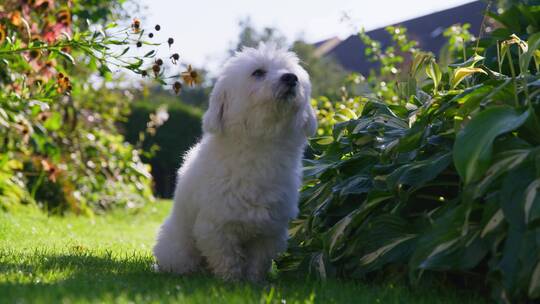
[445, 179]
[59, 143]
[358, 89]
[173, 138]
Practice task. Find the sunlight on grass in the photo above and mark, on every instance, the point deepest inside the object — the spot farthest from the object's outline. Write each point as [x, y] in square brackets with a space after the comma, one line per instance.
[108, 259]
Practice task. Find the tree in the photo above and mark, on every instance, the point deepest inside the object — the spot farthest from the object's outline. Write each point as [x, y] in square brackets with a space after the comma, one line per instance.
[327, 76]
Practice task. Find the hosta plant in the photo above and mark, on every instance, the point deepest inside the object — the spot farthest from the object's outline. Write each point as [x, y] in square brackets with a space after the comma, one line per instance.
[444, 180]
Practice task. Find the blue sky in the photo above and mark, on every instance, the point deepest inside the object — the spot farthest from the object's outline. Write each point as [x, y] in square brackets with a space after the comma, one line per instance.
[204, 30]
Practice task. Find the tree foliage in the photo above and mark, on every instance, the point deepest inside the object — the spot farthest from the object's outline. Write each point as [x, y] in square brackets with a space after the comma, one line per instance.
[60, 146]
[326, 75]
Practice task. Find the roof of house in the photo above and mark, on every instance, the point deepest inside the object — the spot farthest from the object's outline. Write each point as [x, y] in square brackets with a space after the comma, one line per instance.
[427, 30]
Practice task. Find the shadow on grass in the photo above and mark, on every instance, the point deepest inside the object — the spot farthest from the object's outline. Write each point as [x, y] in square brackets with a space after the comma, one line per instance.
[87, 276]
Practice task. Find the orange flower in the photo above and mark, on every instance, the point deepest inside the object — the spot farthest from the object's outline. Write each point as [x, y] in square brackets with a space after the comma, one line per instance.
[136, 25]
[64, 85]
[64, 17]
[2, 34]
[24, 128]
[51, 32]
[16, 18]
[51, 169]
[43, 4]
[190, 76]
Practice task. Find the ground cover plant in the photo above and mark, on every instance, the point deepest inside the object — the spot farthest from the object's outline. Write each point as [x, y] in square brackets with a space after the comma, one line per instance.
[433, 169]
[107, 259]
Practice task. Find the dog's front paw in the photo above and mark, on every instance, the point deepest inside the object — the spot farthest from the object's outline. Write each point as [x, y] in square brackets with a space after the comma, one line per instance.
[256, 273]
[230, 275]
[256, 278]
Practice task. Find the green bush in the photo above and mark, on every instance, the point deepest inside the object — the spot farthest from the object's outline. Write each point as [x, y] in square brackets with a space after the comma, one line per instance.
[172, 139]
[59, 143]
[444, 177]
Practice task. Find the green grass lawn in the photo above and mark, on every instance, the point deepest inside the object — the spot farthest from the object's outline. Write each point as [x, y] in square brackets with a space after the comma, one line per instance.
[108, 259]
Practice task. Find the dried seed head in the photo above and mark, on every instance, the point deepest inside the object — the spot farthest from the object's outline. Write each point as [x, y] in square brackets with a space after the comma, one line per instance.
[159, 61]
[190, 76]
[156, 69]
[144, 73]
[157, 27]
[136, 25]
[177, 86]
[170, 41]
[139, 44]
[151, 35]
[34, 54]
[43, 116]
[175, 56]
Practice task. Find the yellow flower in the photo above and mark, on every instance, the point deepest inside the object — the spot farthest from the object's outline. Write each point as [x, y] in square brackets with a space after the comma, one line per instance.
[191, 77]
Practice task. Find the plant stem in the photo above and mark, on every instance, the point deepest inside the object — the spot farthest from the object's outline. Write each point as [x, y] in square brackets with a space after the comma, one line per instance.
[499, 59]
[35, 48]
[513, 71]
[524, 76]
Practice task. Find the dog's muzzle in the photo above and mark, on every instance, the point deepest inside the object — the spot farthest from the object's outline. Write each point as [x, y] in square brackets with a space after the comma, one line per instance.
[287, 87]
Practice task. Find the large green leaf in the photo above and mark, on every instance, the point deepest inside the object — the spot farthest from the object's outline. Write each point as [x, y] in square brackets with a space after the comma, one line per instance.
[532, 203]
[433, 71]
[534, 286]
[461, 73]
[337, 234]
[419, 172]
[450, 244]
[512, 195]
[54, 122]
[469, 63]
[518, 260]
[503, 163]
[473, 145]
[533, 46]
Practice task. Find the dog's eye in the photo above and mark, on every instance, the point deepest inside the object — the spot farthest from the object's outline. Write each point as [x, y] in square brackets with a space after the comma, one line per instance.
[258, 73]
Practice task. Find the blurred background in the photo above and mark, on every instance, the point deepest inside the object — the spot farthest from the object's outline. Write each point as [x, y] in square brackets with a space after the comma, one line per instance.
[425, 164]
[323, 33]
[103, 114]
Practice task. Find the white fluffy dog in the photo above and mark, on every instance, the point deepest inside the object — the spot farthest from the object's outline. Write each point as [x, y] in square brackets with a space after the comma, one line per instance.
[238, 187]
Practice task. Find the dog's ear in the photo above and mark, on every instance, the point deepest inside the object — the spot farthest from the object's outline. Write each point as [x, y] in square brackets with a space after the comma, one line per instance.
[309, 120]
[213, 119]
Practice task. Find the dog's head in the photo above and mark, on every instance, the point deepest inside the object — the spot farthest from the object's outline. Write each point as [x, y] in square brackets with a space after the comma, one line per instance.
[261, 91]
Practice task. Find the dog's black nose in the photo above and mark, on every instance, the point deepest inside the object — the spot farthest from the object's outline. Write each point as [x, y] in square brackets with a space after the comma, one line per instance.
[289, 79]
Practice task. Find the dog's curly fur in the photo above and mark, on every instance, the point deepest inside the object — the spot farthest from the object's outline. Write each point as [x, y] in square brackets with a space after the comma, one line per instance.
[238, 187]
